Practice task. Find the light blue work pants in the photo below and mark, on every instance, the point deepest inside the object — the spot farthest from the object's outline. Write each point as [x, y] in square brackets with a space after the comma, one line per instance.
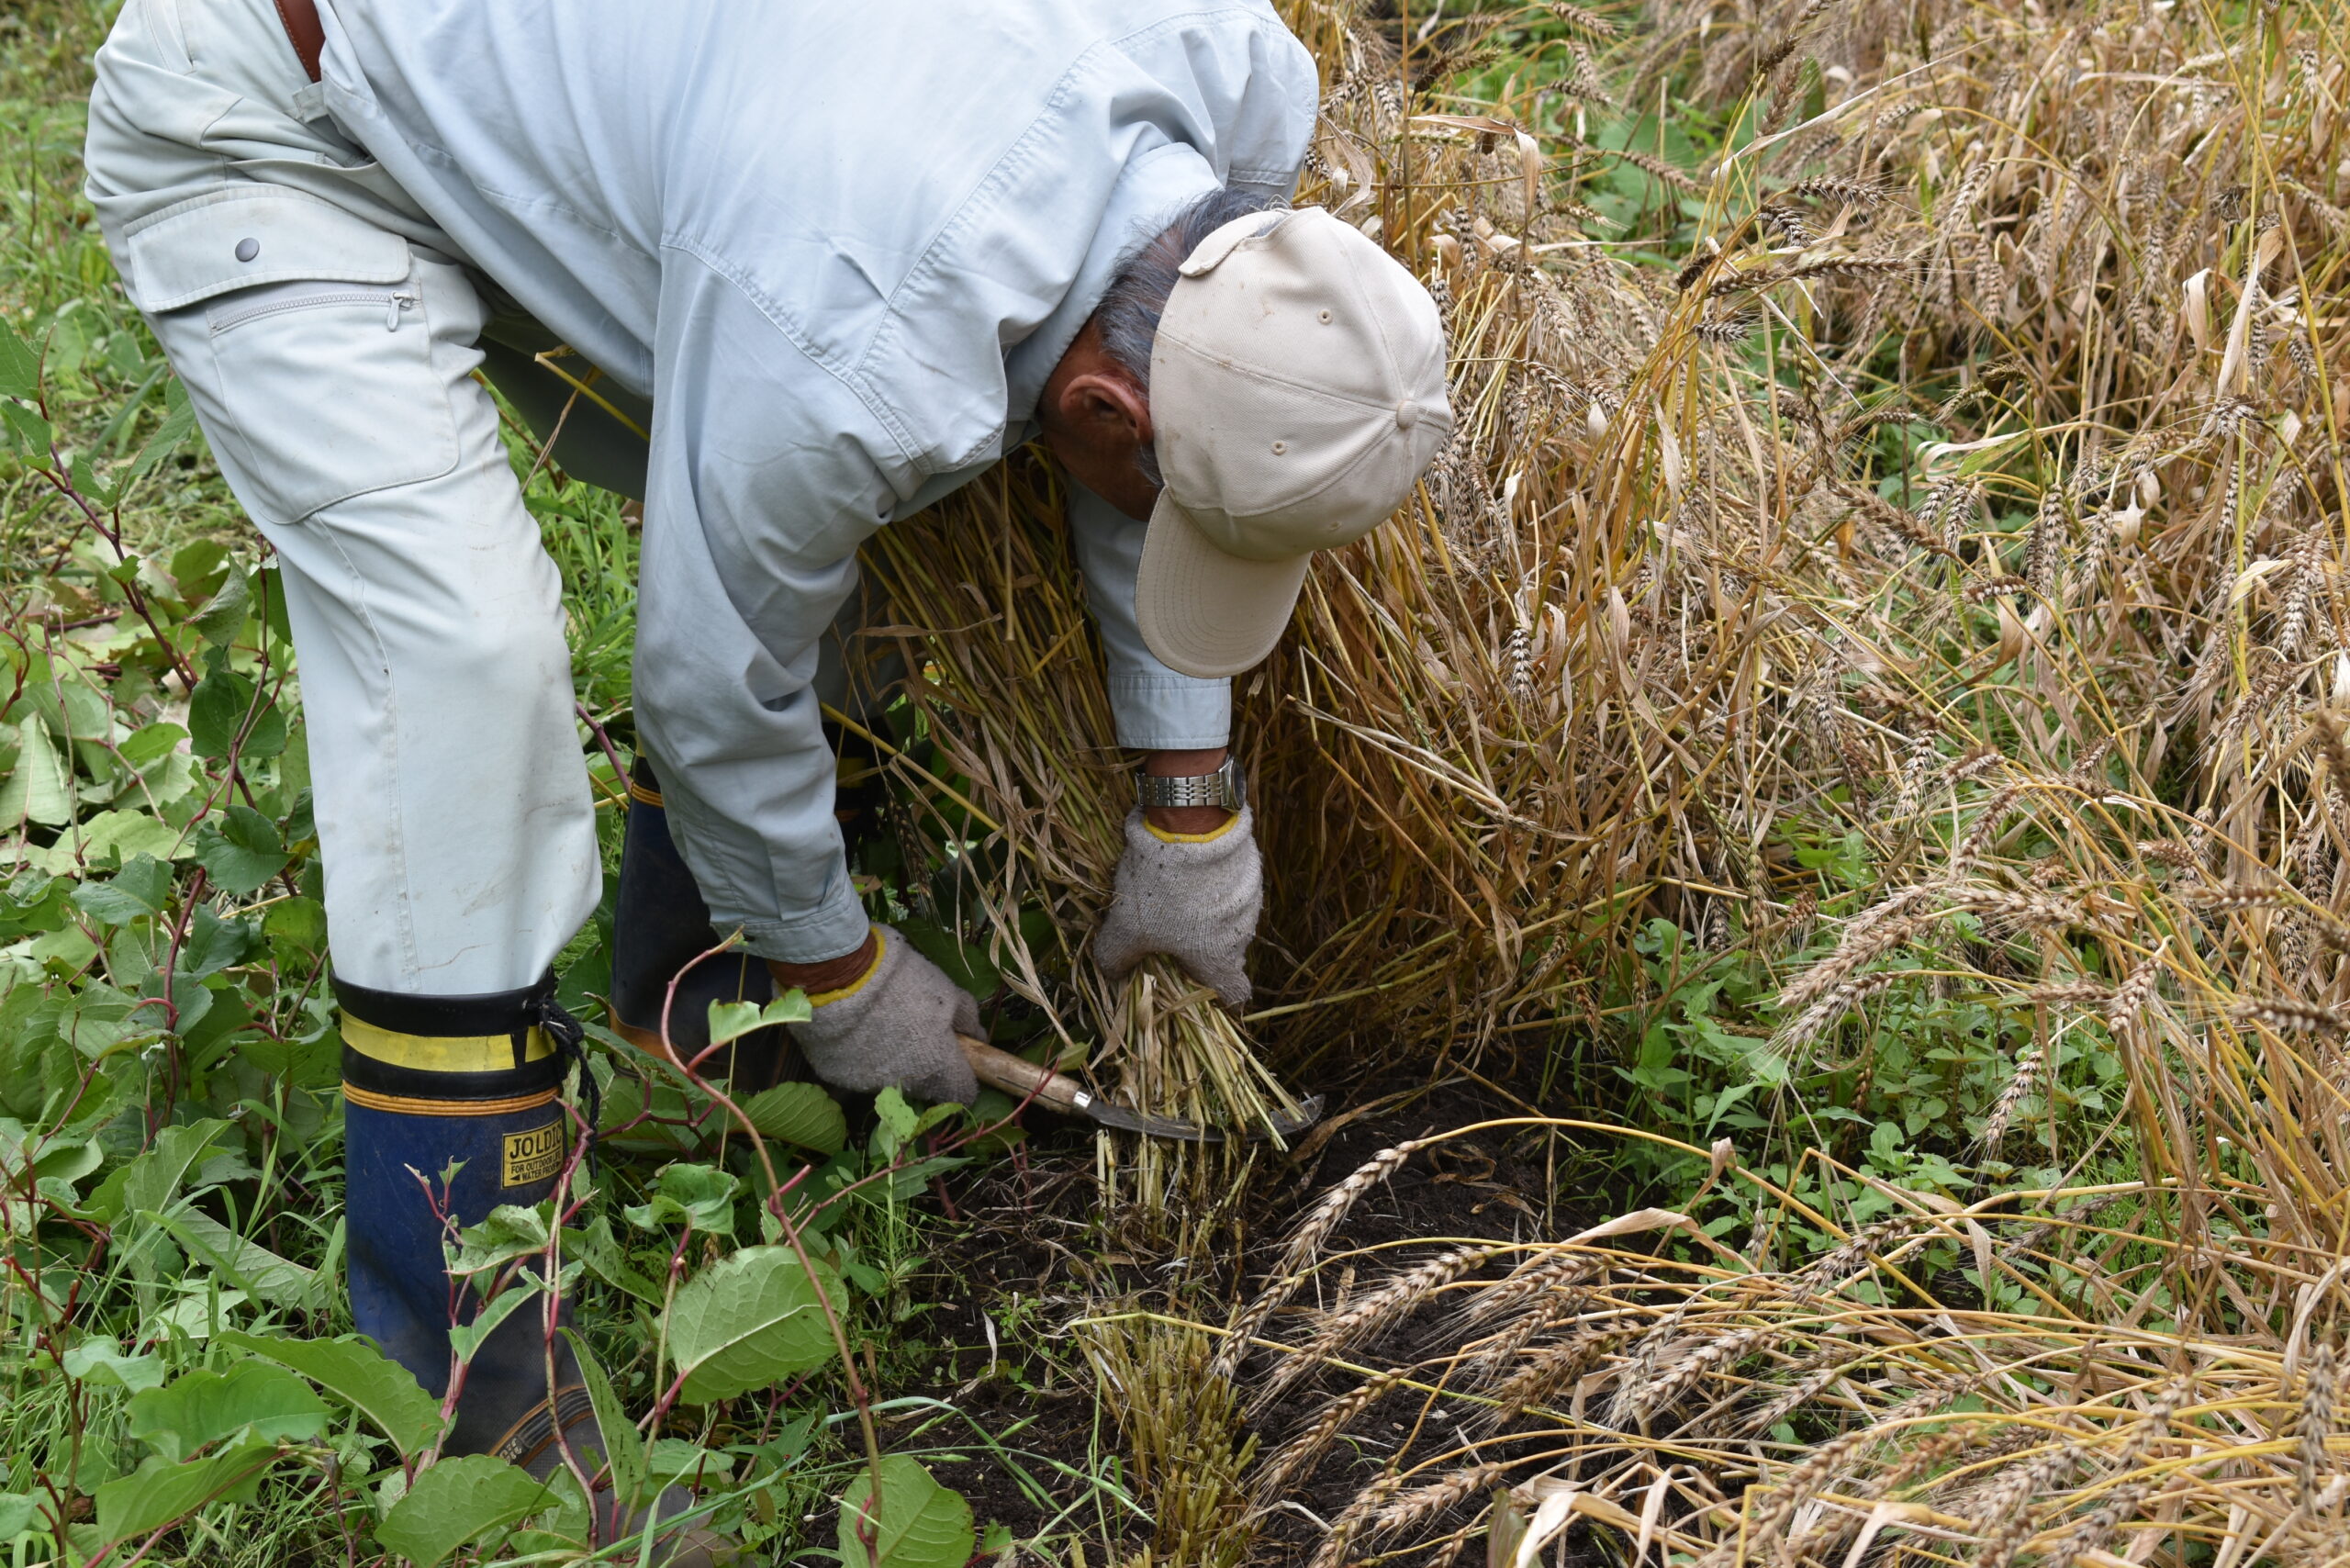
[328, 347]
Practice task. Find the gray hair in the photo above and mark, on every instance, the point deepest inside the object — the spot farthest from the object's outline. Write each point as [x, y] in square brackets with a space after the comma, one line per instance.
[1146, 275]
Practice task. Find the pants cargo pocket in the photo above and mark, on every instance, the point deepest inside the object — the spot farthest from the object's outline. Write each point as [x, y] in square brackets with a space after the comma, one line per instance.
[327, 390]
[303, 333]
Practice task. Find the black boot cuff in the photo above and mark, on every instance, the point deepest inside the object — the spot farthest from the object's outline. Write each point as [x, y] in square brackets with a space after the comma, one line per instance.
[489, 1013]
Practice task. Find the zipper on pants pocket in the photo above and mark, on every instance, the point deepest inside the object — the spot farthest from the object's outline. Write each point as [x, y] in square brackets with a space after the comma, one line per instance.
[393, 302]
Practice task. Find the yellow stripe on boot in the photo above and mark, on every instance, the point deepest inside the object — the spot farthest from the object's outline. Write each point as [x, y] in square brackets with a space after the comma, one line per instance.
[434, 1053]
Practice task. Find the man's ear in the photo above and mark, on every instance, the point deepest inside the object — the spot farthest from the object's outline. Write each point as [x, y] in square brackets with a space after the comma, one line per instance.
[1106, 405]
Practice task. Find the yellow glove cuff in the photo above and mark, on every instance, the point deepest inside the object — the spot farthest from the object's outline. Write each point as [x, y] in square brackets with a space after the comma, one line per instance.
[1164, 837]
[881, 946]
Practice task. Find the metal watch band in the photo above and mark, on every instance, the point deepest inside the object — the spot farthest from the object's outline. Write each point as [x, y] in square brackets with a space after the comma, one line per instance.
[1221, 787]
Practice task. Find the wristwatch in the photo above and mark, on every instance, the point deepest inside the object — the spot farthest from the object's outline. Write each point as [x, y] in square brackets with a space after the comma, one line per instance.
[1221, 787]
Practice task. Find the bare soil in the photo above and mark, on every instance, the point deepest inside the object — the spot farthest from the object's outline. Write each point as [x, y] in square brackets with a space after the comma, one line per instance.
[1031, 1249]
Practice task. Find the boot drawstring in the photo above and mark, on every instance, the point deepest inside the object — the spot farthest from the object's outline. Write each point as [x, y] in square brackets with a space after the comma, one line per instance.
[570, 1045]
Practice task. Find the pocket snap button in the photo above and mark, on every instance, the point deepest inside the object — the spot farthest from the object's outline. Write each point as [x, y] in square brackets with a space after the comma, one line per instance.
[248, 249]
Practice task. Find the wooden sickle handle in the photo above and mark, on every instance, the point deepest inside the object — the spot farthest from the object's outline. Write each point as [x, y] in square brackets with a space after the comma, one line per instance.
[1021, 1079]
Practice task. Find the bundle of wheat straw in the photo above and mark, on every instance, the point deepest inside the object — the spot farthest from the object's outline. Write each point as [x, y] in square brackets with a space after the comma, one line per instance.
[981, 598]
[1666, 591]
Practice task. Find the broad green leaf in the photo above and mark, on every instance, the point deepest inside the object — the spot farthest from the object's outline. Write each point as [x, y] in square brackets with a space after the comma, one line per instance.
[465, 1340]
[76, 710]
[509, 1232]
[159, 772]
[28, 430]
[103, 1362]
[97, 1020]
[700, 1195]
[19, 366]
[125, 835]
[149, 742]
[199, 1407]
[242, 851]
[66, 1160]
[40, 789]
[179, 418]
[221, 619]
[312, 1063]
[217, 709]
[86, 480]
[191, 1002]
[200, 569]
[299, 923]
[748, 1320]
[249, 1266]
[898, 1120]
[205, 1310]
[600, 1251]
[732, 1020]
[159, 1492]
[624, 1446]
[146, 879]
[919, 1523]
[673, 1459]
[153, 1180]
[354, 1372]
[214, 943]
[267, 737]
[17, 1515]
[802, 1113]
[136, 891]
[456, 1501]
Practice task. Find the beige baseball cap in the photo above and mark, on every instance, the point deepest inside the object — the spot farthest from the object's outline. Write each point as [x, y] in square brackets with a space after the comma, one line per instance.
[1296, 397]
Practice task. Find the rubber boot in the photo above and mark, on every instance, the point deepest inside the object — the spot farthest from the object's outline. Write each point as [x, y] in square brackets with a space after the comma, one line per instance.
[660, 925]
[473, 1081]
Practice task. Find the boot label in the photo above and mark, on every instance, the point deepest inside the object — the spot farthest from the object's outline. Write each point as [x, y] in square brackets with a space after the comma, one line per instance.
[533, 1155]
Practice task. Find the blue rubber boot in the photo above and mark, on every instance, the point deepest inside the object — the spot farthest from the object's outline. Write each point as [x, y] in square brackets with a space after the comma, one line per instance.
[475, 1081]
[660, 925]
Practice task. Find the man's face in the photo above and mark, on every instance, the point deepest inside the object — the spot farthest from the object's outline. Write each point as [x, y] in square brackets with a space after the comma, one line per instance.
[1111, 470]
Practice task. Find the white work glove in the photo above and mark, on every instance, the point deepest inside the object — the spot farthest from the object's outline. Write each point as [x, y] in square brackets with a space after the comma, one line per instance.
[1195, 898]
[897, 1025]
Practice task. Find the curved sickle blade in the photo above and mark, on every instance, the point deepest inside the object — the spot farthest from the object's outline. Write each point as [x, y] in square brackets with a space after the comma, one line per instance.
[1309, 1110]
[1104, 1115]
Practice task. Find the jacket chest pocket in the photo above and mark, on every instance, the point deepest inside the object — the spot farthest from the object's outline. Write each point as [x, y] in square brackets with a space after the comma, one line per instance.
[314, 363]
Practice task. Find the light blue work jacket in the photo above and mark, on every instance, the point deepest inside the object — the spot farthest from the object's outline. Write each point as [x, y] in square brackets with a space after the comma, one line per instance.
[840, 245]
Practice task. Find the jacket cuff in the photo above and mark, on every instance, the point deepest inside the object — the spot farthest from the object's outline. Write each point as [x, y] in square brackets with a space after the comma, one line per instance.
[1170, 712]
[836, 927]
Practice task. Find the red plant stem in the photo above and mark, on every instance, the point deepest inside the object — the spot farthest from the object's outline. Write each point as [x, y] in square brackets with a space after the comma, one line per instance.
[59, 480]
[612, 752]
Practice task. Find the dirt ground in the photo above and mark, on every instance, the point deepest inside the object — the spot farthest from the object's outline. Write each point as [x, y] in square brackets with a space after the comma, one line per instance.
[1032, 1250]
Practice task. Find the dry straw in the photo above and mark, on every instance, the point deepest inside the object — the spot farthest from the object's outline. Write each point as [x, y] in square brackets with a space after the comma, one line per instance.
[2067, 673]
[2072, 676]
